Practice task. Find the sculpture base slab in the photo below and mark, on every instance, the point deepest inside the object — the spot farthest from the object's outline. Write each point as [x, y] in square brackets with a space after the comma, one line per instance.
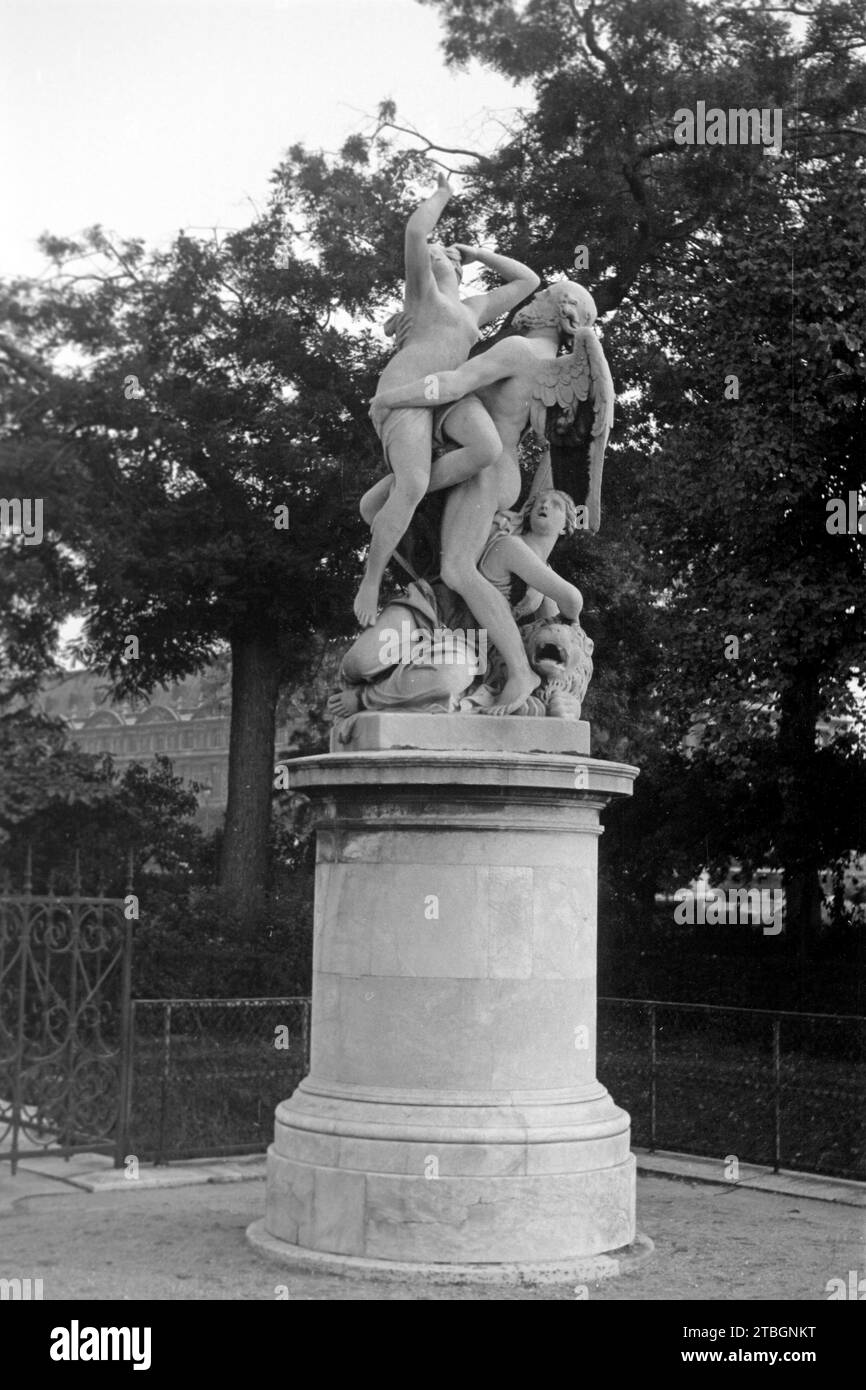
[370, 732]
[553, 1272]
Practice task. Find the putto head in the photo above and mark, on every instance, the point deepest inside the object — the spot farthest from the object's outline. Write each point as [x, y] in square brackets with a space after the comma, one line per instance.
[563, 305]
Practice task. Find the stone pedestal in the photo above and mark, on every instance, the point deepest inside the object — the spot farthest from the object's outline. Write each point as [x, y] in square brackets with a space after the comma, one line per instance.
[452, 1116]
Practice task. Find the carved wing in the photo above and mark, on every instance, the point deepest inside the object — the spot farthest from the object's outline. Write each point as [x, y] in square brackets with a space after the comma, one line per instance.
[565, 382]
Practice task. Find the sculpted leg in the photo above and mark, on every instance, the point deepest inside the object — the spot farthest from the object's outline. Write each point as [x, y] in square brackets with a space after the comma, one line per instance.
[447, 471]
[363, 661]
[480, 446]
[374, 682]
[409, 449]
[465, 526]
[375, 498]
[506, 470]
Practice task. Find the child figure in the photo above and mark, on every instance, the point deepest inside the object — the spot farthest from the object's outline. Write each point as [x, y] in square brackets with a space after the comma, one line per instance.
[518, 550]
[441, 329]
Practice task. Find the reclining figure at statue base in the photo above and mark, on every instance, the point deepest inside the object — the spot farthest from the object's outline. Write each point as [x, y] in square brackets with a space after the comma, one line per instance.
[424, 654]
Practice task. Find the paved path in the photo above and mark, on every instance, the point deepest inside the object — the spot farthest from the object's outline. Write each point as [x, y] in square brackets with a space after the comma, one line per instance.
[145, 1239]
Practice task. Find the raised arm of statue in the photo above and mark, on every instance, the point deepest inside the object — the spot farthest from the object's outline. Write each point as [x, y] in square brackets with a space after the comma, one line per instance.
[520, 283]
[419, 276]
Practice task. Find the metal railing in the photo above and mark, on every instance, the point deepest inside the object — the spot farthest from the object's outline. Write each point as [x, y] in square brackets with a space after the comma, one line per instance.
[65, 964]
[768, 1087]
[207, 1074]
[774, 1088]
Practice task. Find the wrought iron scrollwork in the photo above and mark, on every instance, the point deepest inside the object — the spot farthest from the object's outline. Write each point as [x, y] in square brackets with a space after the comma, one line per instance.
[64, 1023]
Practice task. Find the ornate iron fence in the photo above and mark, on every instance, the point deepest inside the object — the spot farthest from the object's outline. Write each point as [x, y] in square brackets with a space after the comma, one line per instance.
[209, 1073]
[65, 966]
[772, 1088]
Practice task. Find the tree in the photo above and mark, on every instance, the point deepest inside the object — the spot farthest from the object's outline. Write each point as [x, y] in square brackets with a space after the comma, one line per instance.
[765, 605]
[215, 444]
[39, 582]
[241, 351]
[72, 816]
[596, 162]
[692, 249]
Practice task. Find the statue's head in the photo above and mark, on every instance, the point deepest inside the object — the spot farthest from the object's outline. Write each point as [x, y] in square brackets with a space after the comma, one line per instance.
[564, 305]
[550, 513]
[445, 262]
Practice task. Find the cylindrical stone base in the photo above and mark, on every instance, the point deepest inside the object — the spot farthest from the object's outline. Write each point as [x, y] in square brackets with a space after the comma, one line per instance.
[452, 1114]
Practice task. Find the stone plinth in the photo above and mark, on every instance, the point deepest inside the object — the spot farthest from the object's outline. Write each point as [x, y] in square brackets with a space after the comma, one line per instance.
[452, 1115]
[368, 732]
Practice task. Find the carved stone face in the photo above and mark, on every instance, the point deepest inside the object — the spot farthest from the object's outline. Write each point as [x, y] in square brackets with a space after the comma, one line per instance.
[564, 305]
[574, 310]
[559, 652]
[548, 515]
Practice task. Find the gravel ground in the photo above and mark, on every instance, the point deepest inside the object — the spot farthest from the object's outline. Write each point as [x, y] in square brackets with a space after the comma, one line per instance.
[712, 1242]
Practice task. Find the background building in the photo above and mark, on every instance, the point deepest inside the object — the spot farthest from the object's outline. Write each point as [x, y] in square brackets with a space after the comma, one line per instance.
[188, 723]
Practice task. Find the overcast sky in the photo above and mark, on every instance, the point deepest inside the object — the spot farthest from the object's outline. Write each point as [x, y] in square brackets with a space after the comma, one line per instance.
[151, 115]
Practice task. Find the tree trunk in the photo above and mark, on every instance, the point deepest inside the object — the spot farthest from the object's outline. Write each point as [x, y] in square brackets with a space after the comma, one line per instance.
[244, 862]
[799, 845]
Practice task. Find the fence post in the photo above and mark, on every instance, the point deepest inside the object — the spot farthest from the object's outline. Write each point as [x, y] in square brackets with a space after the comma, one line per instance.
[18, 1059]
[777, 1094]
[652, 1078]
[127, 1036]
[163, 1088]
[18, 1056]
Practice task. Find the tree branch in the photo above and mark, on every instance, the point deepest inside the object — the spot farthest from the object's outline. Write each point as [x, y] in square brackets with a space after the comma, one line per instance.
[22, 360]
[600, 54]
[430, 144]
[230, 496]
[834, 130]
[660, 147]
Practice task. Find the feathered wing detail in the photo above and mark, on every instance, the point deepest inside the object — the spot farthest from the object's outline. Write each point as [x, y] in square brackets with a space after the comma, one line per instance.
[583, 375]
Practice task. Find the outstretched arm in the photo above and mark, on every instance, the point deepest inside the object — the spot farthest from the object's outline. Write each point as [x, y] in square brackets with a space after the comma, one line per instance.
[530, 603]
[521, 282]
[426, 392]
[419, 276]
[524, 562]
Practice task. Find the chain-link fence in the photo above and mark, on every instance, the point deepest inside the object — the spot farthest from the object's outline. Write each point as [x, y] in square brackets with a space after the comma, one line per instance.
[207, 1074]
[782, 1089]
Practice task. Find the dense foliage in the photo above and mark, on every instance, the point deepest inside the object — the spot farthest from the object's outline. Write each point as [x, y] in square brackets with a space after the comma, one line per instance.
[731, 281]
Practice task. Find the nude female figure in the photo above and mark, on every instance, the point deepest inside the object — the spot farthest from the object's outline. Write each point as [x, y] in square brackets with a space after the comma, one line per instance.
[441, 328]
[503, 379]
